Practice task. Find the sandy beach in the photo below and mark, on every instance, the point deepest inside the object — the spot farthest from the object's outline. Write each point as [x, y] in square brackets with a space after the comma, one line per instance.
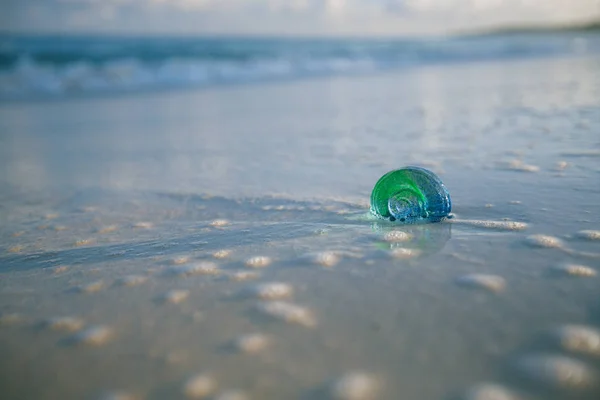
[212, 243]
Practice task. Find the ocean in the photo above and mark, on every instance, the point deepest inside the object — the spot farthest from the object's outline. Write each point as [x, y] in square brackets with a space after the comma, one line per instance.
[216, 242]
[59, 66]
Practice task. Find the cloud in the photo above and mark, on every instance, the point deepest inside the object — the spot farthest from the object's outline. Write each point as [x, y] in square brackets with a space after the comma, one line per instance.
[320, 17]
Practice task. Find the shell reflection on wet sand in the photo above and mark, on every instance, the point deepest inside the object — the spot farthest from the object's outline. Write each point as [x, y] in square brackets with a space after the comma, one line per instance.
[578, 339]
[489, 391]
[355, 386]
[558, 372]
[404, 253]
[199, 386]
[397, 236]
[288, 312]
[492, 283]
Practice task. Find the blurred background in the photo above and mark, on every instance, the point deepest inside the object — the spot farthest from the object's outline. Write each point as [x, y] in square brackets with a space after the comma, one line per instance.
[70, 47]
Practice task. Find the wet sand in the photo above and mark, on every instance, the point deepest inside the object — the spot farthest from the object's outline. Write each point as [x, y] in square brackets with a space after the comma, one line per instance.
[177, 245]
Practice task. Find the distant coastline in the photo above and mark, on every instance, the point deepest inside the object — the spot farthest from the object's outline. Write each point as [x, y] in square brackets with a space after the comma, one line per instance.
[590, 26]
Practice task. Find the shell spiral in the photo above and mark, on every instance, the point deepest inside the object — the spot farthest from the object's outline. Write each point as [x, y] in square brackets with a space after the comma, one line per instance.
[410, 195]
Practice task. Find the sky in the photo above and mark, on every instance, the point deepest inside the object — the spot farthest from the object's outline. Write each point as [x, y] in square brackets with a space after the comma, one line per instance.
[285, 17]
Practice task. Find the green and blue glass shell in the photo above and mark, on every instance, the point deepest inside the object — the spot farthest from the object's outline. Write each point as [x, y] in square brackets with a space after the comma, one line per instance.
[410, 195]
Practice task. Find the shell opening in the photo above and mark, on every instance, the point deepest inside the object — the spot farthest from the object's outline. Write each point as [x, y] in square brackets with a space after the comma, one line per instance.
[406, 206]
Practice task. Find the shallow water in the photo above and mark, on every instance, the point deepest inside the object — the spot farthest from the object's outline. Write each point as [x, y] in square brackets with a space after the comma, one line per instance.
[146, 187]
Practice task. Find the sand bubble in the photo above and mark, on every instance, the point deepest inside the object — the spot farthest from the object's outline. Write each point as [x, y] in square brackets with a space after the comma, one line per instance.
[354, 386]
[65, 324]
[175, 296]
[258, 261]
[588, 235]
[493, 283]
[231, 394]
[543, 241]
[579, 339]
[489, 391]
[574, 270]
[251, 343]
[200, 268]
[199, 386]
[132, 280]
[325, 258]
[273, 290]
[91, 287]
[93, 336]
[557, 371]
[288, 312]
[240, 276]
